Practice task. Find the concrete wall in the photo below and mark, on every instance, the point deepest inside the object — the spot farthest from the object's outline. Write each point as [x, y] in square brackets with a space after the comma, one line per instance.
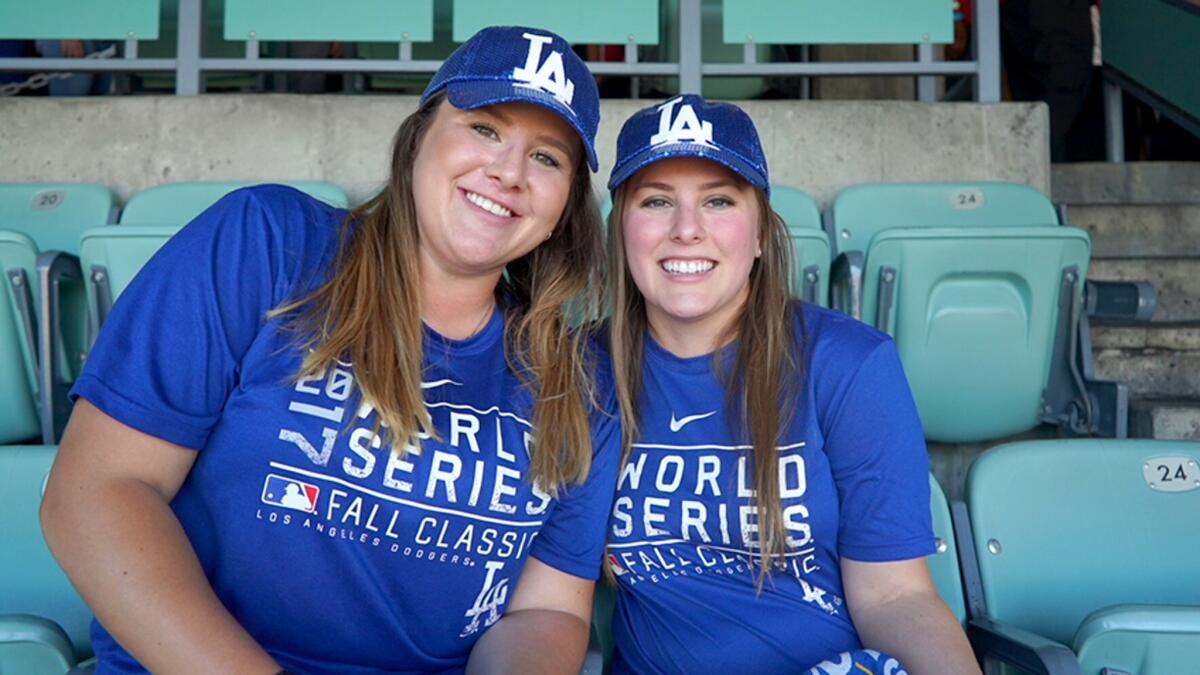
[131, 143]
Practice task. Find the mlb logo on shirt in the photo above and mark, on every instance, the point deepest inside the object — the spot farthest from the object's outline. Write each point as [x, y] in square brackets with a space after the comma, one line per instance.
[616, 566]
[290, 493]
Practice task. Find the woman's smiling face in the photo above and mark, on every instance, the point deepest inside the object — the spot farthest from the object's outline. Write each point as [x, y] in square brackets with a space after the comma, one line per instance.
[489, 185]
[691, 233]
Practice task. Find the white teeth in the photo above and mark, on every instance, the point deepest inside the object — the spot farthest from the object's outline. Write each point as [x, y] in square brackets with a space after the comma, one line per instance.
[488, 205]
[687, 266]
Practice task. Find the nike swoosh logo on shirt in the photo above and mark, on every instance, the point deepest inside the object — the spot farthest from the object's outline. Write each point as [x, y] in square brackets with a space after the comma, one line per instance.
[439, 383]
[677, 424]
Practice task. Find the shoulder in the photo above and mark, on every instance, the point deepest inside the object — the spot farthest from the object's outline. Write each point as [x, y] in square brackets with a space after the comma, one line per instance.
[295, 232]
[832, 335]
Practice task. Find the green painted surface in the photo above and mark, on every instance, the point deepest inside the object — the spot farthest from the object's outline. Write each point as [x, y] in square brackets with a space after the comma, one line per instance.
[54, 215]
[974, 320]
[862, 211]
[1077, 528]
[1145, 639]
[943, 564]
[18, 374]
[79, 19]
[122, 251]
[1157, 43]
[840, 22]
[579, 21]
[321, 20]
[31, 582]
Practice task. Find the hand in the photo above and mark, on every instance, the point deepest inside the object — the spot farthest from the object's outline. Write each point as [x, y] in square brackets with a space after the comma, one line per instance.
[72, 49]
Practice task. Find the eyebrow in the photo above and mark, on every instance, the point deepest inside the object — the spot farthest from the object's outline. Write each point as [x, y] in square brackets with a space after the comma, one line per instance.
[667, 187]
[567, 149]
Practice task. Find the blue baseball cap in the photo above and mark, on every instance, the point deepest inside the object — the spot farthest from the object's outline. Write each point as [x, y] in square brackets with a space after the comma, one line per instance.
[513, 63]
[689, 126]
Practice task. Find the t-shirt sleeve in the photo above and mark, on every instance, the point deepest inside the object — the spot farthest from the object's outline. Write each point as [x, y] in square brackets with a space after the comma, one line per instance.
[167, 356]
[880, 464]
[572, 540]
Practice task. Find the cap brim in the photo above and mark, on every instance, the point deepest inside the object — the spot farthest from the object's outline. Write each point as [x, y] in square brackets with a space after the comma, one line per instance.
[653, 154]
[468, 95]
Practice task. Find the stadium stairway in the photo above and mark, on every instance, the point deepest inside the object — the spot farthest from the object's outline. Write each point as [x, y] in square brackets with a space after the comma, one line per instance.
[1144, 221]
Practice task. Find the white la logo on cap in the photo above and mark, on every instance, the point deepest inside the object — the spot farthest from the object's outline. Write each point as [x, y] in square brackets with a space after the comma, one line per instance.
[687, 126]
[550, 78]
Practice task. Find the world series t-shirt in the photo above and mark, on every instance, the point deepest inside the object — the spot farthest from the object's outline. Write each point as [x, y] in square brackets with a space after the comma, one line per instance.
[336, 554]
[853, 477]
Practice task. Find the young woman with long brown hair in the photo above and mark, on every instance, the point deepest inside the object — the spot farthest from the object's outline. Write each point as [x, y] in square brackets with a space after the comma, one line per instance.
[326, 442]
[772, 509]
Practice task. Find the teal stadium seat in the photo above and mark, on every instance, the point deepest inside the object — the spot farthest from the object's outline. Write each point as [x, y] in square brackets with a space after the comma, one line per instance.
[111, 256]
[862, 211]
[20, 419]
[1087, 555]
[810, 244]
[43, 621]
[975, 316]
[45, 309]
[979, 286]
[943, 564]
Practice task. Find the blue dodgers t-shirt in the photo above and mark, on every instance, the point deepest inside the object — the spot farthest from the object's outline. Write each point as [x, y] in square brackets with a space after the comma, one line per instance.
[853, 476]
[336, 554]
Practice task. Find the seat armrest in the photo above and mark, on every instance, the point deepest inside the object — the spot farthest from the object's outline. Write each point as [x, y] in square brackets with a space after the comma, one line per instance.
[38, 639]
[1026, 650]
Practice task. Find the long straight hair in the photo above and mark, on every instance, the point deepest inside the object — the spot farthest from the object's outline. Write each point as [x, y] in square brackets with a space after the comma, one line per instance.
[763, 383]
[369, 312]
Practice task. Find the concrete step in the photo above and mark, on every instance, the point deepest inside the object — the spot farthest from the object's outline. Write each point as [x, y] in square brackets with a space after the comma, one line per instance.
[1176, 279]
[1139, 230]
[1158, 361]
[1172, 337]
[1165, 419]
[1152, 373]
[1126, 183]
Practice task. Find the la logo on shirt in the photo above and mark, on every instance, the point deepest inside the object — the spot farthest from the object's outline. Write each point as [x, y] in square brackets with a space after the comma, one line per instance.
[550, 76]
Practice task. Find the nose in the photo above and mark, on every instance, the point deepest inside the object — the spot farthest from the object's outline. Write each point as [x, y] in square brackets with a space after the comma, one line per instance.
[508, 167]
[686, 227]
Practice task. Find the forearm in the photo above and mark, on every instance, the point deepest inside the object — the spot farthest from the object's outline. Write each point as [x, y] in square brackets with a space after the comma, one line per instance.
[919, 630]
[125, 551]
[535, 641]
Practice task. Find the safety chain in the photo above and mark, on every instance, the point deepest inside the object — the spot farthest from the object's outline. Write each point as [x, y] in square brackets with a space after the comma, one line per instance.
[39, 80]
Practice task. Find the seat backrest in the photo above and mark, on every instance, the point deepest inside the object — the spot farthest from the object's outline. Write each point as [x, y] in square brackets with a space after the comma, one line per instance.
[974, 314]
[117, 254]
[79, 20]
[321, 20]
[611, 22]
[861, 211]
[1066, 527]
[842, 22]
[19, 418]
[31, 582]
[943, 564]
[796, 208]
[179, 203]
[54, 215]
